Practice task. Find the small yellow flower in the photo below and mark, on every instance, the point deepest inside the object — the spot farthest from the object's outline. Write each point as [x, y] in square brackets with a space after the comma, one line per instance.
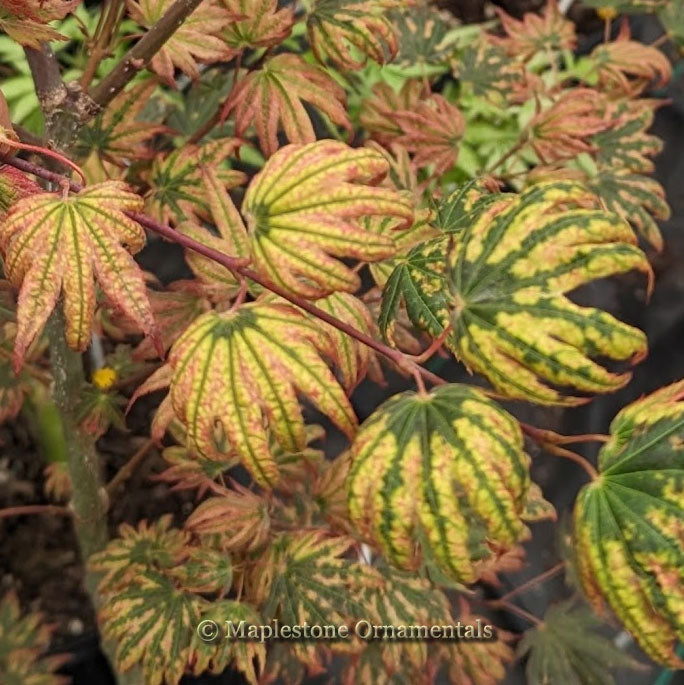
[104, 378]
[607, 12]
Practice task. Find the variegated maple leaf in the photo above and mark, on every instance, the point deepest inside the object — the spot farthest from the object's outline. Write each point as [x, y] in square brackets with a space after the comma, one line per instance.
[237, 517]
[500, 282]
[349, 32]
[629, 524]
[562, 130]
[195, 40]
[627, 67]
[303, 206]
[26, 21]
[24, 641]
[271, 98]
[427, 126]
[626, 143]
[181, 184]
[232, 372]
[377, 111]
[56, 245]
[634, 197]
[118, 135]
[259, 24]
[354, 359]
[441, 477]
[549, 30]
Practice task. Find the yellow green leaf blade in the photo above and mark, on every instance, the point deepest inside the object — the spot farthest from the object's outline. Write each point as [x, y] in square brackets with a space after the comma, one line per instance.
[442, 476]
[628, 524]
[499, 285]
[302, 210]
[236, 375]
[61, 245]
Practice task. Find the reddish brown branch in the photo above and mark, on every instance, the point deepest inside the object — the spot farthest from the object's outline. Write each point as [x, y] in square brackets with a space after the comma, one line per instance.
[35, 509]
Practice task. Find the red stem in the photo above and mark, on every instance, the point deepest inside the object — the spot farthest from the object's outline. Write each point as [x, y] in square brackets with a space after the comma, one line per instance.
[35, 509]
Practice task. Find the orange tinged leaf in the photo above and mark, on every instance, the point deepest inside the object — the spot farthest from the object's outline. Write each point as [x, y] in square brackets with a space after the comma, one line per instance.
[271, 99]
[61, 245]
[303, 209]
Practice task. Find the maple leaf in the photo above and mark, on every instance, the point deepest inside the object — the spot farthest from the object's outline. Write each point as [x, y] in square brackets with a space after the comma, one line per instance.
[272, 97]
[549, 30]
[188, 472]
[14, 186]
[177, 182]
[247, 656]
[234, 369]
[629, 524]
[567, 648]
[56, 244]
[260, 24]
[23, 643]
[353, 358]
[344, 29]
[635, 198]
[25, 21]
[431, 130]
[300, 209]
[625, 144]
[400, 497]
[561, 131]
[195, 39]
[377, 110]
[97, 410]
[423, 36]
[477, 662]
[500, 285]
[627, 67]
[305, 576]
[487, 71]
[118, 134]
[238, 518]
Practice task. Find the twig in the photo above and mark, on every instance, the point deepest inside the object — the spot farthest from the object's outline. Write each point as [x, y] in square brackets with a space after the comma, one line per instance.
[537, 435]
[125, 472]
[514, 609]
[549, 573]
[142, 52]
[50, 88]
[110, 16]
[52, 509]
[543, 435]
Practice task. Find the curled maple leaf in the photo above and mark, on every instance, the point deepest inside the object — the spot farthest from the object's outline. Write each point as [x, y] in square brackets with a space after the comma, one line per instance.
[377, 111]
[336, 27]
[26, 20]
[229, 373]
[562, 130]
[273, 96]
[549, 30]
[301, 207]
[55, 244]
[623, 58]
[259, 24]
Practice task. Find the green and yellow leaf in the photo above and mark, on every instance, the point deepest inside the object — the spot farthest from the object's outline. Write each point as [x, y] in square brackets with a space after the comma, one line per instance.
[232, 372]
[636, 198]
[349, 32]
[63, 245]
[441, 477]
[499, 284]
[303, 207]
[629, 524]
[23, 643]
